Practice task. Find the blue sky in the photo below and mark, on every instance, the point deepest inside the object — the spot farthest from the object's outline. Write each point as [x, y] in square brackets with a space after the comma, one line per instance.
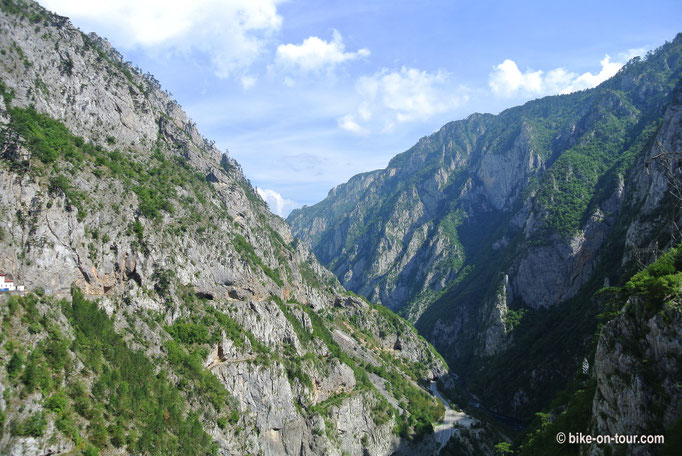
[305, 94]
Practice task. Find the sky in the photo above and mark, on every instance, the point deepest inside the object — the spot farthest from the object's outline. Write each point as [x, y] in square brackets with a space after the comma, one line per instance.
[305, 94]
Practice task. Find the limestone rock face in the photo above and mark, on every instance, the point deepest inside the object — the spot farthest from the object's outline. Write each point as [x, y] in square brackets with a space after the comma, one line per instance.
[498, 327]
[554, 198]
[163, 230]
[638, 354]
[565, 265]
[636, 366]
[503, 176]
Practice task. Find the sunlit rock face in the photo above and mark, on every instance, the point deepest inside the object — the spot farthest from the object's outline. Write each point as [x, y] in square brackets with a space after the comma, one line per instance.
[108, 188]
[497, 227]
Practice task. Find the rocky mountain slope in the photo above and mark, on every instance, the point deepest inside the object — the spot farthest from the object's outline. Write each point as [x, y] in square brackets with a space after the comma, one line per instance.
[494, 234]
[168, 310]
[631, 389]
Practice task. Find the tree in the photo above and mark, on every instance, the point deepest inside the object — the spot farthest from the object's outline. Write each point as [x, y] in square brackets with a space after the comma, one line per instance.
[503, 448]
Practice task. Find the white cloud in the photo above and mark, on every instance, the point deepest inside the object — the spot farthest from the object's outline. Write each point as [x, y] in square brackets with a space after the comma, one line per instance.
[630, 53]
[406, 95]
[589, 80]
[507, 80]
[231, 33]
[348, 123]
[248, 81]
[276, 202]
[315, 54]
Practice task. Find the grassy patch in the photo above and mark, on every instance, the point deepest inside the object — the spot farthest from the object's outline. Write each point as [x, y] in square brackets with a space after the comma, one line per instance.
[247, 252]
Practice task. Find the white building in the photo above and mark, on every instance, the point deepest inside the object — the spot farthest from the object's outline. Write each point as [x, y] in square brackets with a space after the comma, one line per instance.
[7, 284]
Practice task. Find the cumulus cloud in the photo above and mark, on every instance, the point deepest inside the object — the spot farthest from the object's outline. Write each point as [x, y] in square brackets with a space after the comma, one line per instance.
[507, 80]
[315, 54]
[231, 33]
[276, 202]
[406, 95]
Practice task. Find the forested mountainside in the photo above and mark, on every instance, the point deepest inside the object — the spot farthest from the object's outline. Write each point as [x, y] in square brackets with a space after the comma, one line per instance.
[167, 310]
[494, 235]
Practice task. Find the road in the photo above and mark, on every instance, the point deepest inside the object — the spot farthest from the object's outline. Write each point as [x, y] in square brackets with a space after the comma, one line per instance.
[451, 421]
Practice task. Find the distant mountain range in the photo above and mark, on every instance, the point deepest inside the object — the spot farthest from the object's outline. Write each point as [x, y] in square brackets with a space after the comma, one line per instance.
[494, 234]
[167, 311]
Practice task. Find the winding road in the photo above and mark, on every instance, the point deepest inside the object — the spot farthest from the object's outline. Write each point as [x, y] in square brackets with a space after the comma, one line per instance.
[451, 421]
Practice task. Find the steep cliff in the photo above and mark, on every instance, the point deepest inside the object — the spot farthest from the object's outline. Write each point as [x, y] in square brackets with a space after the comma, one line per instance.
[628, 389]
[493, 234]
[168, 310]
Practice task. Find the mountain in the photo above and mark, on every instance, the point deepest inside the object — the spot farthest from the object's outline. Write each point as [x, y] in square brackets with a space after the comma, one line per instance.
[494, 234]
[167, 310]
[632, 388]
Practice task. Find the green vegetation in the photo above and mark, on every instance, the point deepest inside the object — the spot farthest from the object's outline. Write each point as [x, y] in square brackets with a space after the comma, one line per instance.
[424, 410]
[129, 403]
[155, 182]
[574, 418]
[513, 318]
[7, 95]
[138, 230]
[382, 411]
[196, 379]
[75, 198]
[301, 333]
[503, 448]
[323, 408]
[132, 388]
[235, 331]
[33, 426]
[46, 138]
[310, 277]
[659, 284]
[247, 252]
[657, 289]
[189, 333]
[192, 341]
[575, 183]
[450, 224]
[205, 326]
[152, 201]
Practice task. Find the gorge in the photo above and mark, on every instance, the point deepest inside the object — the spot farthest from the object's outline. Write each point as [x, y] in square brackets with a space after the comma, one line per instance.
[509, 277]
